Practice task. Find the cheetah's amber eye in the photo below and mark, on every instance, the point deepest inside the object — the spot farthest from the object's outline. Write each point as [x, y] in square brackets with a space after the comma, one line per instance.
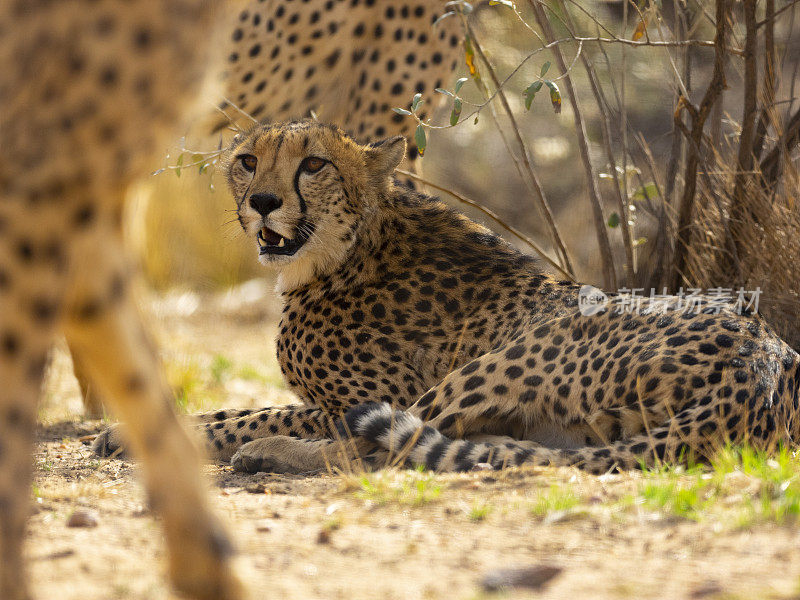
[249, 162]
[312, 164]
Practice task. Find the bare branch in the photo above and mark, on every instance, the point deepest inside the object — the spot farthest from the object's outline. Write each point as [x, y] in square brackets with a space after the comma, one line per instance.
[605, 121]
[743, 182]
[771, 165]
[699, 116]
[533, 179]
[606, 255]
[492, 215]
[768, 114]
[768, 18]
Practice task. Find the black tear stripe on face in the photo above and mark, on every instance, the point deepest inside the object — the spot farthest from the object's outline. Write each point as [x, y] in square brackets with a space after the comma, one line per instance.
[297, 185]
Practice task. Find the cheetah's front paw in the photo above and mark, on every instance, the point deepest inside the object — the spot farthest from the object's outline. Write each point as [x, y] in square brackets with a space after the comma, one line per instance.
[110, 443]
[278, 454]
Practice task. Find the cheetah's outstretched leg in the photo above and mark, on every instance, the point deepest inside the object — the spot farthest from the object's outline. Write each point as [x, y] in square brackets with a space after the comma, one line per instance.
[225, 431]
[104, 325]
[283, 454]
[224, 438]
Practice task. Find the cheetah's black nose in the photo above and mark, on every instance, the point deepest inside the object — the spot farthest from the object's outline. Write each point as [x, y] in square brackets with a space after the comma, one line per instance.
[264, 204]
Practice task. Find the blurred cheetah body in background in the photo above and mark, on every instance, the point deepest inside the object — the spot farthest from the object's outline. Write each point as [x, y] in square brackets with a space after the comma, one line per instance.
[89, 90]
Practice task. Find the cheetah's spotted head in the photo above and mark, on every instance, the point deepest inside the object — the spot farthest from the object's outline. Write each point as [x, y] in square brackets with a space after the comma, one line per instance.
[303, 190]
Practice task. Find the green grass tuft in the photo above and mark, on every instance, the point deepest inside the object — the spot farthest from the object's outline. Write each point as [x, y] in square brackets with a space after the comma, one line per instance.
[479, 511]
[555, 499]
[408, 488]
[743, 486]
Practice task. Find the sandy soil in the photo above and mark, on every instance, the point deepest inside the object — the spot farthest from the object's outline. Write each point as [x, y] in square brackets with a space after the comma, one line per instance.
[393, 535]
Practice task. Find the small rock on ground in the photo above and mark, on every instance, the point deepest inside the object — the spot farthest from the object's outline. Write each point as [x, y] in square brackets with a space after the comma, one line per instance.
[482, 467]
[83, 518]
[533, 578]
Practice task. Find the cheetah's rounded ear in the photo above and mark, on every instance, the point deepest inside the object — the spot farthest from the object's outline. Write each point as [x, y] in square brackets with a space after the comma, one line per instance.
[383, 157]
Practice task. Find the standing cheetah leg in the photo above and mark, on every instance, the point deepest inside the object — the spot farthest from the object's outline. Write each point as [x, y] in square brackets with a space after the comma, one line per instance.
[31, 284]
[104, 326]
[92, 403]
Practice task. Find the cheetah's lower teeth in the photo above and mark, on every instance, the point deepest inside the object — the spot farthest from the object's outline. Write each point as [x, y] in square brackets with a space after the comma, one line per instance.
[271, 238]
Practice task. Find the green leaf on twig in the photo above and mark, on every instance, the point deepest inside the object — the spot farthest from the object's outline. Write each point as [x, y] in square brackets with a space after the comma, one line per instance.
[454, 116]
[530, 92]
[555, 95]
[419, 138]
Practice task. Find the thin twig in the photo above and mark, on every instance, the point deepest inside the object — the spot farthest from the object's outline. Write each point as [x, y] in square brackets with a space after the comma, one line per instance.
[772, 17]
[240, 110]
[606, 255]
[623, 122]
[493, 216]
[768, 116]
[771, 165]
[544, 205]
[614, 39]
[605, 121]
[661, 271]
[740, 203]
[698, 117]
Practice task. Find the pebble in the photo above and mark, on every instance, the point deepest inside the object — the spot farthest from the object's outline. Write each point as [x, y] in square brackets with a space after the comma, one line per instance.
[533, 578]
[83, 518]
[324, 536]
[482, 467]
[711, 588]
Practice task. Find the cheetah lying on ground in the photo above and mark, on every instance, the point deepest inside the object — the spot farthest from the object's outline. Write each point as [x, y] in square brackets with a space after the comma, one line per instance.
[347, 61]
[88, 91]
[393, 300]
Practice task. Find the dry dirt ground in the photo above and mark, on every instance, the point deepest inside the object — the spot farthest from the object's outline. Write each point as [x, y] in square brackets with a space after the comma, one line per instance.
[543, 533]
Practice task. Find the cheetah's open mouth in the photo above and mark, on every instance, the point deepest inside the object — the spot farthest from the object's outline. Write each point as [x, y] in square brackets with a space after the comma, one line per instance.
[271, 242]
